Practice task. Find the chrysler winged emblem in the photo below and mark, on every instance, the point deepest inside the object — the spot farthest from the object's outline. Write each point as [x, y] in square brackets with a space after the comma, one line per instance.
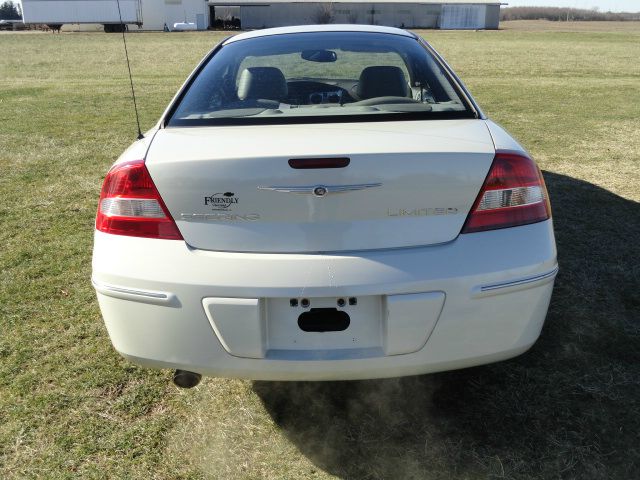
[320, 190]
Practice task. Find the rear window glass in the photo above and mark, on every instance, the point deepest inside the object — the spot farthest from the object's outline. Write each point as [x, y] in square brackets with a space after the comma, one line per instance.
[311, 76]
[347, 65]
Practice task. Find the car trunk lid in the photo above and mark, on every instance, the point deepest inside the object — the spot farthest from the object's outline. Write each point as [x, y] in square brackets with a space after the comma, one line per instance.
[405, 184]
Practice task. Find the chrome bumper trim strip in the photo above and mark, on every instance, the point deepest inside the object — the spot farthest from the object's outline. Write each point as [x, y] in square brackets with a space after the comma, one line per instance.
[522, 281]
[513, 285]
[146, 296]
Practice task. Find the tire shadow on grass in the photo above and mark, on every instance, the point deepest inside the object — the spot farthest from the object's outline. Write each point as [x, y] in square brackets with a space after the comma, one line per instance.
[568, 408]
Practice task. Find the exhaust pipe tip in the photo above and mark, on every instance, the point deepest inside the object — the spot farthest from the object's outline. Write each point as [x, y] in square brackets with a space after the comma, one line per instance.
[184, 379]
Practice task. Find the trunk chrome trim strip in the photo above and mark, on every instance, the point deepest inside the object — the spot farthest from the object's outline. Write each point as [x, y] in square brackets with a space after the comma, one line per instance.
[320, 190]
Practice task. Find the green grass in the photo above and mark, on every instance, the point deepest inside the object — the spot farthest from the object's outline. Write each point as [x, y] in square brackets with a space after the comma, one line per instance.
[71, 408]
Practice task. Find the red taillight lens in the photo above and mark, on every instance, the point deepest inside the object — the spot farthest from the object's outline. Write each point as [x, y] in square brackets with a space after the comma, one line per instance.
[513, 194]
[131, 205]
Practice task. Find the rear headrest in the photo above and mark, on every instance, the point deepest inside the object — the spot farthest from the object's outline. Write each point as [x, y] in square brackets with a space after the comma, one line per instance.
[266, 83]
[382, 81]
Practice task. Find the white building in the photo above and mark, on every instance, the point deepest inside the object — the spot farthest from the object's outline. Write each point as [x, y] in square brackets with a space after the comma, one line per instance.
[155, 13]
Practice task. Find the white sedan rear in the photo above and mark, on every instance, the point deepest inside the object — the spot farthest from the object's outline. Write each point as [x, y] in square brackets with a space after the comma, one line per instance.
[321, 203]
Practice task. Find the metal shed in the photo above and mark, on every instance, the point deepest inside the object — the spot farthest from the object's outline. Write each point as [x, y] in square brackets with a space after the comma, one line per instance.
[449, 14]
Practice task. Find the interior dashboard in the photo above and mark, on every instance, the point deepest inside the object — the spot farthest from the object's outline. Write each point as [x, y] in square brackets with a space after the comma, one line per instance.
[312, 92]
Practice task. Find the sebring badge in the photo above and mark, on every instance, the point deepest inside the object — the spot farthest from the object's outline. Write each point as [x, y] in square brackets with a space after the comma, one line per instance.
[320, 190]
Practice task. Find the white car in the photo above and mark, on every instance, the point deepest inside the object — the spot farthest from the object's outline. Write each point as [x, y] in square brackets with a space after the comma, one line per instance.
[322, 203]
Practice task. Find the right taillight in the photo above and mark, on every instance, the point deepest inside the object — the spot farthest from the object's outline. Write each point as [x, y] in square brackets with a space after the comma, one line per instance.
[513, 194]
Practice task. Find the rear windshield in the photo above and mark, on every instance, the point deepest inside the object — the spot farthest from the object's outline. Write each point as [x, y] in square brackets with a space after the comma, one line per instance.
[309, 77]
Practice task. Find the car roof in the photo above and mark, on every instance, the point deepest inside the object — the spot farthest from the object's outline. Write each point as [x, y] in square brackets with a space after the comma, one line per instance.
[318, 28]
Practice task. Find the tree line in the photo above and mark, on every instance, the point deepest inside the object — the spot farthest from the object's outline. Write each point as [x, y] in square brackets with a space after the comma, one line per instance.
[558, 14]
[10, 11]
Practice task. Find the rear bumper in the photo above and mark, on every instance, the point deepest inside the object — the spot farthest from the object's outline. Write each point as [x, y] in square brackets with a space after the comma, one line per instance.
[497, 286]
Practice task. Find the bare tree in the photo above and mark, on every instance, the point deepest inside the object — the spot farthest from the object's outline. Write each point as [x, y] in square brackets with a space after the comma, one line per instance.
[564, 14]
[324, 14]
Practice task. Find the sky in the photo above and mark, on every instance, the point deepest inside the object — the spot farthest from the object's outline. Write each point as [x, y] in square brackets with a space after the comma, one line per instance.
[603, 5]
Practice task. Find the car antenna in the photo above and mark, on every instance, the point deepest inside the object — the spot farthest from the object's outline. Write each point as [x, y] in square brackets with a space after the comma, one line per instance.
[126, 54]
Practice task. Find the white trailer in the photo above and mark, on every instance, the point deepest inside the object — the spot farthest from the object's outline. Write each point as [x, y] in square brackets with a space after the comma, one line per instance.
[105, 12]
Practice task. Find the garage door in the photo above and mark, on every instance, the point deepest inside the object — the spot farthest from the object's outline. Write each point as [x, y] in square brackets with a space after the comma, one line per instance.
[463, 16]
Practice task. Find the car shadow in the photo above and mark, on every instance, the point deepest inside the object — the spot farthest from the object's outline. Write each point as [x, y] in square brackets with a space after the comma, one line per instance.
[567, 408]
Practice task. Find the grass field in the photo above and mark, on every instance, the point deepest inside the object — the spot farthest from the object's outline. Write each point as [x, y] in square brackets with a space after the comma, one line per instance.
[71, 408]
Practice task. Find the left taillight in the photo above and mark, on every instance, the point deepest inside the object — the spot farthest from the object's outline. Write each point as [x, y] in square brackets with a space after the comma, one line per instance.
[130, 204]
